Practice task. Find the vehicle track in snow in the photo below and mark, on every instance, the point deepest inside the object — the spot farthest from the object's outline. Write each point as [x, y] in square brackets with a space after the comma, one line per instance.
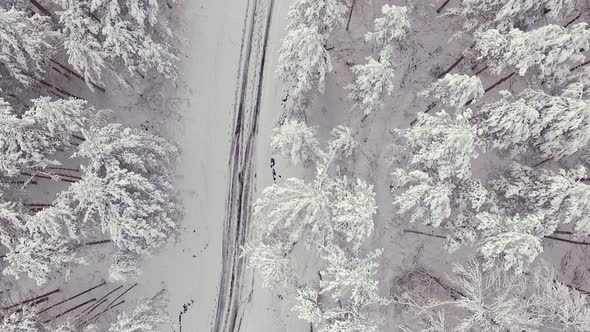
[238, 208]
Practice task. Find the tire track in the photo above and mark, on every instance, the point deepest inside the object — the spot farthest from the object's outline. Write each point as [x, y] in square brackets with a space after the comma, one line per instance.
[247, 107]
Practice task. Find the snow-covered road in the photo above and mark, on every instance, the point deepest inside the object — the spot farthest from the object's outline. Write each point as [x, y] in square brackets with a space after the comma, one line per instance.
[247, 109]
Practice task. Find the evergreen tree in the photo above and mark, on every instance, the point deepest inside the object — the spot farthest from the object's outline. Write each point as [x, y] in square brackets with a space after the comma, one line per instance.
[26, 43]
[150, 315]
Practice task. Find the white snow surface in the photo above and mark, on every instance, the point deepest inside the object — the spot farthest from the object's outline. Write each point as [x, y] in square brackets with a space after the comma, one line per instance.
[190, 269]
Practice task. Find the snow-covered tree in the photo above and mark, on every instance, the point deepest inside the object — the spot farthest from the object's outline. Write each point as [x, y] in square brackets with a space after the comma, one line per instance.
[125, 266]
[303, 65]
[349, 319]
[491, 300]
[392, 27]
[294, 207]
[125, 33]
[455, 90]
[551, 49]
[60, 118]
[150, 315]
[307, 305]
[271, 261]
[426, 199]
[325, 15]
[295, 141]
[30, 140]
[442, 145]
[513, 241]
[139, 52]
[564, 124]
[132, 149]
[503, 15]
[12, 223]
[26, 42]
[372, 81]
[39, 254]
[508, 124]
[24, 320]
[144, 13]
[82, 41]
[136, 213]
[554, 126]
[353, 210]
[561, 197]
[560, 307]
[351, 277]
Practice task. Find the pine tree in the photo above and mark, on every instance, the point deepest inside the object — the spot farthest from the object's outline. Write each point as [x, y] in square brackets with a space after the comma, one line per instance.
[353, 210]
[559, 306]
[553, 126]
[23, 320]
[514, 241]
[372, 81]
[351, 277]
[38, 254]
[303, 65]
[503, 15]
[295, 141]
[491, 300]
[392, 27]
[551, 50]
[428, 201]
[294, 208]
[125, 266]
[442, 145]
[508, 124]
[455, 90]
[271, 261]
[324, 15]
[29, 141]
[150, 315]
[81, 40]
[26, 43]
[136, 213]
[139, 52]
[308, 305]
[560, 197]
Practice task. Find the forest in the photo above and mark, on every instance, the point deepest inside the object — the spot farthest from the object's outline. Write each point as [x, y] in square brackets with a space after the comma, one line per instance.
[429, 165]
[80, 190]
[437, 155]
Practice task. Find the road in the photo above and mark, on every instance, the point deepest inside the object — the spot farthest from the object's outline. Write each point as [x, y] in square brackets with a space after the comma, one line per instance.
[241, 166]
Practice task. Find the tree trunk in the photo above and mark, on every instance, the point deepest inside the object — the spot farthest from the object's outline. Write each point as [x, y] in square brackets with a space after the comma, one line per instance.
[70, 310]
[573, 20]
[118, 297]
[73, 72]
[75, 296]
[481, 70]
[455, 64]
[94, 243]
[65, 169]
[442, 6]
[580, 65]
[100, 313]
[567, 241]
[444, 285]
[350, 15]
[423, 233]
[502, 80]
[42, 9]
[46, 177]
[57, 290]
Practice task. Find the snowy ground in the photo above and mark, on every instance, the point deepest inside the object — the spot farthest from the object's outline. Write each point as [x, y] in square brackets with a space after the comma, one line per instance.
[191, 268]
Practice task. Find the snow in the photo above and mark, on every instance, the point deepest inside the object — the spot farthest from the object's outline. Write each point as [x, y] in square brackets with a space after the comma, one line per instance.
[191, 268]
